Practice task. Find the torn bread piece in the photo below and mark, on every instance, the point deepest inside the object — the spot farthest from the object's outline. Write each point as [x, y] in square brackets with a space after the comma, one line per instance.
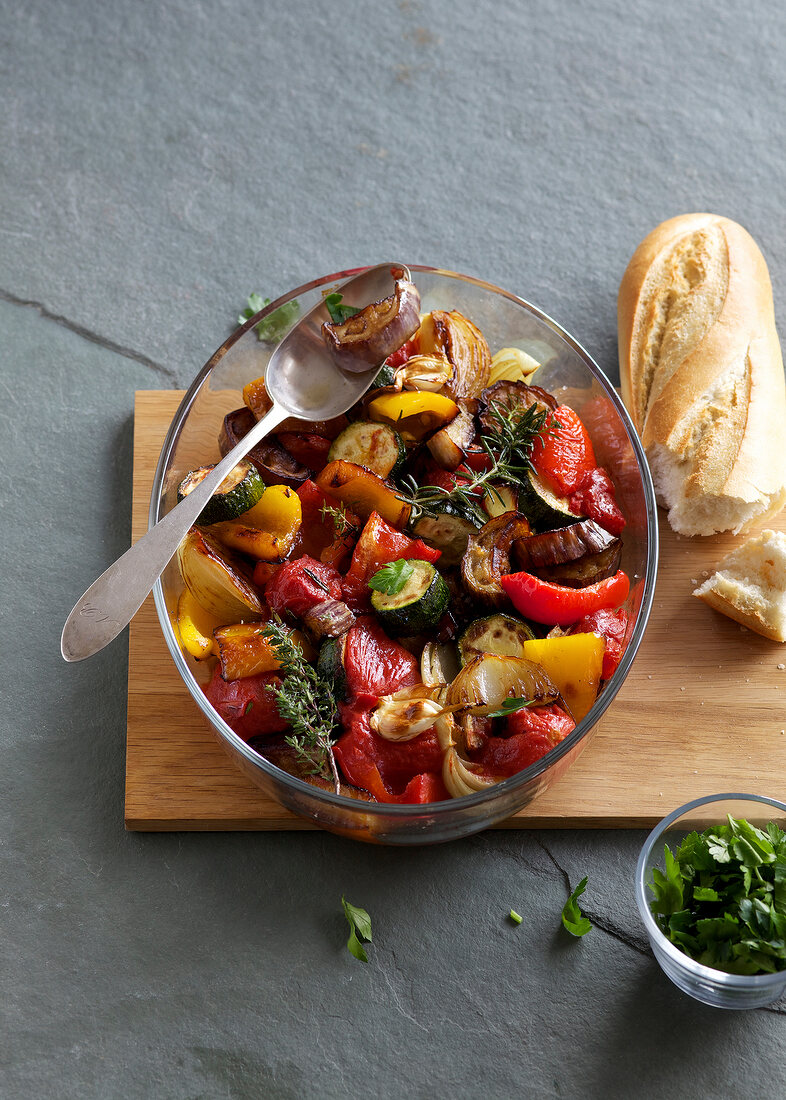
[750, 585]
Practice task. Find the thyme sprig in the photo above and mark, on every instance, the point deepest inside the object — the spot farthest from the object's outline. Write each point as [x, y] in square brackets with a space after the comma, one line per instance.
[508, 442]
[342, 524]
[307, 701]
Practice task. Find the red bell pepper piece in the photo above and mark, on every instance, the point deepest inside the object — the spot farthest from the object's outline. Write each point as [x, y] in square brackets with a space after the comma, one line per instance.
[532, 732]
[300, 585]
[374, 664]
[556, 605]
[247, 706]
[563, 453]
[612, 626]
[400, 357]
[595, 498]
[309, 449]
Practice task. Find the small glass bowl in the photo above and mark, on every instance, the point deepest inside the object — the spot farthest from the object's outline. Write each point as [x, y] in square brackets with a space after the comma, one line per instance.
[712, 987]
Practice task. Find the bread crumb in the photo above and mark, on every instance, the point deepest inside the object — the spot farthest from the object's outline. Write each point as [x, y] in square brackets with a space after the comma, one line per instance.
[694, 580]
[781, 666]
[682, 689]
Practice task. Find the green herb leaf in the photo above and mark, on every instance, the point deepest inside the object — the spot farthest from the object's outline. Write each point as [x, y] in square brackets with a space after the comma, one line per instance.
[515, 917]
[722, 898]
[249, 705]
[359, 928]
[510, 706]
[273, 328]
[572, 917]
[391, 578]
[339, 313]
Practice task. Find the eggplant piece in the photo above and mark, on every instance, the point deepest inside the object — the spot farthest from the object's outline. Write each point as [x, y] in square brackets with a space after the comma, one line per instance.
[447, 446]
[276, 465]
[575, 556]
[329, 619]
[507, 396]
[487, 557]
[370, 336]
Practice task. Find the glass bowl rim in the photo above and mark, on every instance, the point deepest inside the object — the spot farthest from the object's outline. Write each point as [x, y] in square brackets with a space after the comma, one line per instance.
[512, 783]
[685, 962]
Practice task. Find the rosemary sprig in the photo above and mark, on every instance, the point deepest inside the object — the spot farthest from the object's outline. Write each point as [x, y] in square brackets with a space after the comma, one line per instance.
[508, 443]
[307, 701]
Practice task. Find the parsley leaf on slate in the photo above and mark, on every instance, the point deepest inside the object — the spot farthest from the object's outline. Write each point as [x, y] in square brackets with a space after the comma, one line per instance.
[572, 917]
[339, 313]
[360, 928]
[273, 328]
[723, 898]
[391, 578]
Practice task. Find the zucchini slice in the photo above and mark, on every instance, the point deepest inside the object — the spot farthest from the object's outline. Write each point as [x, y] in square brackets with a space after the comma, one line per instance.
[239, 491]
[376, 446]
[418, 606]
[448, 526]
[542, 507]
[214, 582]
[499, 634]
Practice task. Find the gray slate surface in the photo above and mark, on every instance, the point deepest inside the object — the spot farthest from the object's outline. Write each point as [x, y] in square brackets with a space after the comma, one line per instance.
[160, 161]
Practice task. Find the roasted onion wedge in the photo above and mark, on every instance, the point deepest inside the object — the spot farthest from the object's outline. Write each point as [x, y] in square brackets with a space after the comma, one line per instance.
[454, 336]
[213, 579]
[487, 681]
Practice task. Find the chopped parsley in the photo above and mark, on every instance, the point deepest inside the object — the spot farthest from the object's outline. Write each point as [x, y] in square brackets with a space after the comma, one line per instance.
[722, 897]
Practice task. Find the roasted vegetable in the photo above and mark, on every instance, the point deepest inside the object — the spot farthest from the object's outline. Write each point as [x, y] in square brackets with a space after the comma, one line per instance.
[573, 663]
[214, 580]
[576, 555]
[416, 605]
[414, 415]
[362, 492]
[510, 396]
[548, 603]
[267, 531]
[487, 681]
[423, 372]
[376, 331]
[239, 491]
[376, 446]
[487, 557]
[499, 634]
[275, 465]
[439, 663]
[243, 650]
[542, 507]
[456, 338]
[448, 525]
[448, 445]
[499, 499]
[511, 365]
[195, 626]
[328, 619]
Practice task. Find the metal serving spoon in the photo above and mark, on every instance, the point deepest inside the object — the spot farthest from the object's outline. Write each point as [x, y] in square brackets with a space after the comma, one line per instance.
[302, 380]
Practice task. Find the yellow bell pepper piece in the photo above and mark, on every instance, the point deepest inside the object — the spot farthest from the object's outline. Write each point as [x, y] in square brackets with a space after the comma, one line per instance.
[414, 414]
[244, 651]
[266, 531]
[573, 663]
[195, 626]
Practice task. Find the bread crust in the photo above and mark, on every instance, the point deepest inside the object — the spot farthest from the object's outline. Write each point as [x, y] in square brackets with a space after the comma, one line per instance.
[702, 374]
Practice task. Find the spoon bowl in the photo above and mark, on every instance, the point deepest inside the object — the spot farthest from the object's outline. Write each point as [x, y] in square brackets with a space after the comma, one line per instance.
[303, 380]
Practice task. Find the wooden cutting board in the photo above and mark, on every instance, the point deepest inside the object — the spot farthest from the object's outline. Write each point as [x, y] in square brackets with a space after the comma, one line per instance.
[702, 711]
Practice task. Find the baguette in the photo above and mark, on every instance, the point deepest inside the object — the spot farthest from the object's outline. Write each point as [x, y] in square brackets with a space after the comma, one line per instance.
[749, 585]
[702, 373]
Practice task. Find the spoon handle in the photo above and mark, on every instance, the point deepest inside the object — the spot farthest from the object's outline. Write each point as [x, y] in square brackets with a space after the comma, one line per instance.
[111, 602]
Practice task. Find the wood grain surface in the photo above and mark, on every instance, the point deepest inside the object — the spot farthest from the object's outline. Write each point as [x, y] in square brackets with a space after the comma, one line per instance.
[703, 709]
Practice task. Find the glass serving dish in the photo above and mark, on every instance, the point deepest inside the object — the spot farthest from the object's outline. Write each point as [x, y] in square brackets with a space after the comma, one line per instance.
[704, 983]
[574, 378]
